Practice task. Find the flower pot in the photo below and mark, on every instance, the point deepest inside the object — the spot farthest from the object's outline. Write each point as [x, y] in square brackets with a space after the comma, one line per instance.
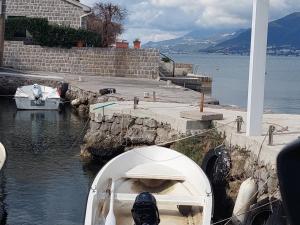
[137, 44]
[80, 44]
[121, 44]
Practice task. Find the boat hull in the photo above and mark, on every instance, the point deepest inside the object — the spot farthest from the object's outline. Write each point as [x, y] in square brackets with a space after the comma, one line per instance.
[24, 103]
[2, 156]
[173, 178]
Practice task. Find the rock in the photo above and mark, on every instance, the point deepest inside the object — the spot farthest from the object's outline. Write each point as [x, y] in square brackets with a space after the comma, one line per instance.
[83, 110]
[105, 127]
[101, 99]
[94, 138]
[94, 126]
[162, 135]
[139, 121]
[233, 189]
[151, 123]
[85, 153]
[110, 146]
[127, 121]
[139, 136]
[238, 161]
[75, 102]
[84, 100]
[116, 128]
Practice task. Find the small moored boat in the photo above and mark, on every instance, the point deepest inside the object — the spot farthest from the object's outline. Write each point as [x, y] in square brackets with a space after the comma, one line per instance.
[37, 97]
[181, 189]
[2, 155]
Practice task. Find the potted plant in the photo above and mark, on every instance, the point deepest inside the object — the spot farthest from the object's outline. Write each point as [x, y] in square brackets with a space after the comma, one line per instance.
[137, 43]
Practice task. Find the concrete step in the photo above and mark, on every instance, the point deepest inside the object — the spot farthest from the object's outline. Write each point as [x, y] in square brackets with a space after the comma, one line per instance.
[202, 116]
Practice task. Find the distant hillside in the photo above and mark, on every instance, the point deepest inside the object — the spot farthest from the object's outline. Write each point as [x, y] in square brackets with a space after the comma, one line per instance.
[283, 37]
[193, 41]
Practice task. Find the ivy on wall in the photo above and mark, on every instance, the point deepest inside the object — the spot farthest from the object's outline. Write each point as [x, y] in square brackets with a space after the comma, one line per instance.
[40, 32]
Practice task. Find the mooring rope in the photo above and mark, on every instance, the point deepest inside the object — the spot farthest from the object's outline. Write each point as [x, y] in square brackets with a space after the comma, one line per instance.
[80, 134]
[195, 135]
[252, 197]
[250, 210]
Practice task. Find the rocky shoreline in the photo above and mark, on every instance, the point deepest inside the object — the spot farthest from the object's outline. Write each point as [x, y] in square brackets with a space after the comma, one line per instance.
[109, 136]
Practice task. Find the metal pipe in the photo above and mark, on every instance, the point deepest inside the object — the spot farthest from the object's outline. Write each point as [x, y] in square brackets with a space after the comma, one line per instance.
[135, 102]
[271, 134]
[239, 122]
[202, 102]
[154, 96]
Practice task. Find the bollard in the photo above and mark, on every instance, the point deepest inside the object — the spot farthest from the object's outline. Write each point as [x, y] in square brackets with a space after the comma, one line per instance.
[239, 122]
[202, 102]
[154, 96]
[271, 134]
[135, 102]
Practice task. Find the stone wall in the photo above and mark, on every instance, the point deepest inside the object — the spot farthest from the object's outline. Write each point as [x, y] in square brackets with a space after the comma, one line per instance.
[62, 12]
[182, 69]
[114, 134]
[142, 63]
[10, 83]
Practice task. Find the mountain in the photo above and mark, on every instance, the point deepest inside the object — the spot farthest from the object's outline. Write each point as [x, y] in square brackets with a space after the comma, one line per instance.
[283, 37]
[194, 41]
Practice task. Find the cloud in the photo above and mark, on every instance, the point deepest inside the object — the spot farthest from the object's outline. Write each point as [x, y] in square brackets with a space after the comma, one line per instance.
[164, 19]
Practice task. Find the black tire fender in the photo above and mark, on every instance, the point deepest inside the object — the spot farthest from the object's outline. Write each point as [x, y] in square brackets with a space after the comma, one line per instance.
[217, 164]
[264, 213]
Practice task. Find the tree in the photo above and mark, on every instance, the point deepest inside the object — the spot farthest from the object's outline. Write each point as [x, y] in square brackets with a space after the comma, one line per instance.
[107, 19]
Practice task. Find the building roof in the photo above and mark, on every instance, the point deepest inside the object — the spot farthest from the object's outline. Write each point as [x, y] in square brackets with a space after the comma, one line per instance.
[77, 3]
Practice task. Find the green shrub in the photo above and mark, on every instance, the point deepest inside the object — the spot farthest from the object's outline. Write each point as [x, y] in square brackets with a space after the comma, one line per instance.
[165, 59]
[45, 34]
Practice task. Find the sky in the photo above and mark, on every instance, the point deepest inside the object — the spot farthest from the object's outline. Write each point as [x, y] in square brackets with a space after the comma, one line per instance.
[156, 20]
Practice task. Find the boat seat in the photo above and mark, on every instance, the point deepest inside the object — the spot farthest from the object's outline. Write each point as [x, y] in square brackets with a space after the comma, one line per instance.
[154, 171]
[161, 199]
[164, 199]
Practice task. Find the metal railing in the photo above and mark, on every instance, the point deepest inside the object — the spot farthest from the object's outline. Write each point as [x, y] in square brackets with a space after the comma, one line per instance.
[173, 63]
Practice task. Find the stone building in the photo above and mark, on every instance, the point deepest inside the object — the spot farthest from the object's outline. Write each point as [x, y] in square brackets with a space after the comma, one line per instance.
[62, 12]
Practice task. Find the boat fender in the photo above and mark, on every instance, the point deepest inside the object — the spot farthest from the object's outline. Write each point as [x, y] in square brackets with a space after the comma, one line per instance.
[246, 197]
[217, 164]
[62, 89]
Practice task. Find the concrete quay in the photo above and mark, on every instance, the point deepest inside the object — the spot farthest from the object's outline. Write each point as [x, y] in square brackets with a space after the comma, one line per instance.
[287, 126]
[287, 130]
[162, 112]
[126, 88]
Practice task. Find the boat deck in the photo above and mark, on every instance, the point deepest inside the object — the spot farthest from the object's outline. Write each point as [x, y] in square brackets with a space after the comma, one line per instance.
[167, 194]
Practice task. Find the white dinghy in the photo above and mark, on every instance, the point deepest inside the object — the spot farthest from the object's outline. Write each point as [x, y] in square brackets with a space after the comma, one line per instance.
[2, 156]
[181, 189]
[37, 97]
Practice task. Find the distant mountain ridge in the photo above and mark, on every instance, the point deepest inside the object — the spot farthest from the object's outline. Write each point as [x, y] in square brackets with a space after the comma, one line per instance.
[283, 38]
[193, 41]
[283, 35]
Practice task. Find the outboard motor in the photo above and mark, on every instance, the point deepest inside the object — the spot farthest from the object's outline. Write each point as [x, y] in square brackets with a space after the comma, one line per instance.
[37, 91]
[144, 210]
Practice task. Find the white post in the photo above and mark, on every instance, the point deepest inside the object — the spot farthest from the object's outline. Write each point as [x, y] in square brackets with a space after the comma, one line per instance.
[257, 68]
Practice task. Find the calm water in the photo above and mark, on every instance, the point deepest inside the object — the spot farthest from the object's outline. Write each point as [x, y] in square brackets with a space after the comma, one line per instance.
[230, 80]
[44, 182]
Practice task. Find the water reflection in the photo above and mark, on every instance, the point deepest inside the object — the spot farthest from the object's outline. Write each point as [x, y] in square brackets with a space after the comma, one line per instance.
[3, 212]
[46, 182]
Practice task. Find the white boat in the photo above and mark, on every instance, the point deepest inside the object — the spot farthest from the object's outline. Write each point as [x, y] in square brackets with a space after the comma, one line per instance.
[176, 182]
[37, 97]
[2, 156]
